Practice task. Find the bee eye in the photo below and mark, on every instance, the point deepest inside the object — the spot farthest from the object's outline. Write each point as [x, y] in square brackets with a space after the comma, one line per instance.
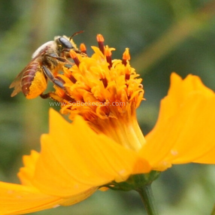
[65, 43]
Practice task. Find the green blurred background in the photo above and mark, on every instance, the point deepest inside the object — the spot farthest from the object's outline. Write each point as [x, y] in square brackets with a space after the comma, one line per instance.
[163, 36]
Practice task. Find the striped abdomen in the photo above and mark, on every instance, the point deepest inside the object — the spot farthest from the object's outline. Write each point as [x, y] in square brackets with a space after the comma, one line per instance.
[33, 81]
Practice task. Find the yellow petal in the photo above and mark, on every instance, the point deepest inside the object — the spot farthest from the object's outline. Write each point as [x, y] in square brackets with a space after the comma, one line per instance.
[20, 199]
[75, 159]
[207, 158]
[184, 130]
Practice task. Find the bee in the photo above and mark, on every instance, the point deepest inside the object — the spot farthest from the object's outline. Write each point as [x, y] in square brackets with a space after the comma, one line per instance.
[45, 64]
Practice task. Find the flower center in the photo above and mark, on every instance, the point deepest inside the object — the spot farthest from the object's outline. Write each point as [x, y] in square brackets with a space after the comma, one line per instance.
[105, 92]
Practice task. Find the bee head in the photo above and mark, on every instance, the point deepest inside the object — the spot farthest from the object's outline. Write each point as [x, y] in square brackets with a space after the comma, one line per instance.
[63, 43]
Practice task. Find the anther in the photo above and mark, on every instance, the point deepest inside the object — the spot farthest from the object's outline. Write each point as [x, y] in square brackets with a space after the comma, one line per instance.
[104, 81]
[127, 74]
[61, 96]
[100, 40]
[83, 48]
[126, 56]
[108, 55]
[68, 98]
[74, 57]
[71, 77]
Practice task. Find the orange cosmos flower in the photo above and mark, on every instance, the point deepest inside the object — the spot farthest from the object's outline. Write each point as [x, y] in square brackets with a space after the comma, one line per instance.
[104, 145]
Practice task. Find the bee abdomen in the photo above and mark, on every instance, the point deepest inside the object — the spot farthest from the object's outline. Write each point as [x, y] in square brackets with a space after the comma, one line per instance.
[28, 77]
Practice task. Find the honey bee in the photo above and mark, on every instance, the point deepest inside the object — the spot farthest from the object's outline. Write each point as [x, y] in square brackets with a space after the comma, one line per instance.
[45, 64]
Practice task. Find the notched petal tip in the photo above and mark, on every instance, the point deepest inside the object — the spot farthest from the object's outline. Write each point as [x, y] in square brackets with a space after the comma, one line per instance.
[26, 173]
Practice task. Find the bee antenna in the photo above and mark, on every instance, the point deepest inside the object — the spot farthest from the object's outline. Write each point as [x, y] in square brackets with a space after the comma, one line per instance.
[76, 33]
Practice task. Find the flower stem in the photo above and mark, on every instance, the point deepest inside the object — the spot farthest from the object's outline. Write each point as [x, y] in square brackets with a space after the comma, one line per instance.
[148, 200]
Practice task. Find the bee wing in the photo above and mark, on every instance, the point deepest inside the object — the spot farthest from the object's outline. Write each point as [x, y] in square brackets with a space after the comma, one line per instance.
[16, 84]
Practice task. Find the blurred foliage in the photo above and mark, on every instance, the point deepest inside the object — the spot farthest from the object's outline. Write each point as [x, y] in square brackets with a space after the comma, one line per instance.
[163, 36]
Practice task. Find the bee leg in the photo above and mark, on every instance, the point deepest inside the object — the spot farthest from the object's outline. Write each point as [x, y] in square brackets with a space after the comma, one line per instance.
[51, 77]
[45, 96]
[53, 96]
[57, 58]
[61, 59]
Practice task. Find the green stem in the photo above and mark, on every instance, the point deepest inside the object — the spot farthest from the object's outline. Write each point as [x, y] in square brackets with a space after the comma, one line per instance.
[148, 200]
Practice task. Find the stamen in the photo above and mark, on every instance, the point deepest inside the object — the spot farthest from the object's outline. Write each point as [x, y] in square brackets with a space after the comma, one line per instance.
[99, 87]
[74, 57]
[61, 96]
[104, 81]
[127, 74]
[126, 56]
[68, 98]
[108, 55]
[100, 40]
[56, 96]
[71, 77]
[83, 48]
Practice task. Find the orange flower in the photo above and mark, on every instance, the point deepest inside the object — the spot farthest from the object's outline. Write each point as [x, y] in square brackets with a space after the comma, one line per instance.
[73, 163]
[104, 144]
